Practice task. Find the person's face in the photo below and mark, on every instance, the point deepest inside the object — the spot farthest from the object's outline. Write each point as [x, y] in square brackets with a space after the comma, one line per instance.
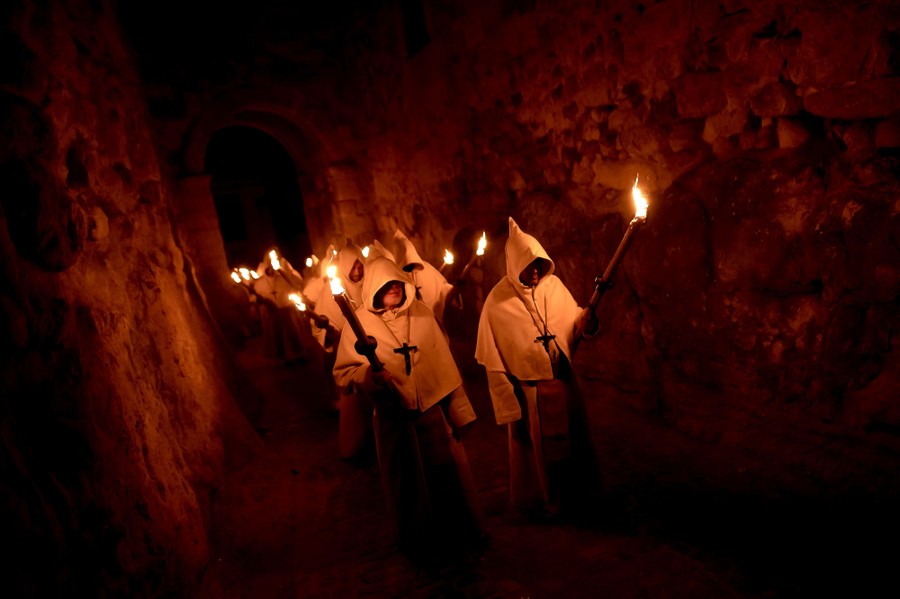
[392, 294]
[531, 274]
[357, 272]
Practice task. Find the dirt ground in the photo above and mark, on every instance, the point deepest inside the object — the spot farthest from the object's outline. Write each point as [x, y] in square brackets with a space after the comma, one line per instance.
[679, 518]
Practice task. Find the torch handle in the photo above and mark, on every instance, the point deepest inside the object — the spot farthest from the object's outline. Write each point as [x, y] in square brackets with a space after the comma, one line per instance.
[600, 287]
[319, 320]
[365, 344]
[466, 269]
[604, 281]
[289, 278]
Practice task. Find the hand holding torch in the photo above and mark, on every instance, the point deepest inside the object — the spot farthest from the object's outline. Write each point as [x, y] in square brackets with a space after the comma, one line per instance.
[365, 344]
[604, 281]
[448, 260]
[287, 276]
[244, 277]
[479, 252]
[302, 305]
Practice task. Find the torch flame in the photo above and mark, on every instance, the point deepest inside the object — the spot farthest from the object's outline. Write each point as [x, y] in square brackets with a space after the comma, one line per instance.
[331, 271]
[365, 252]
[245, 274]
[298, 301]
[482, 243]
[640, 202]
[336, 287]
[448, 257]
[236, 277]
[253, 274]
[274, 258]
[309, 262]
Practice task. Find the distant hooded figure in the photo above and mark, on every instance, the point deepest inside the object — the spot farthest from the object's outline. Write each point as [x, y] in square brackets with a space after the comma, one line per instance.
[314, 281]
[431, 286]
[379, 250]
[350, 264]
[525, 341]
[420, 407]
[285, 335]
[355, 418]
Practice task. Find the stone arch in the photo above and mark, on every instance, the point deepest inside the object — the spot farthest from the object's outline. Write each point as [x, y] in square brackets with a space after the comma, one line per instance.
[333, 186]
[304, 143]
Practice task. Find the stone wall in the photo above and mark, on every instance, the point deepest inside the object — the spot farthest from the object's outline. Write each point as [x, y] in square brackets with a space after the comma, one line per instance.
[759, 302]
[756, 307]
[116, 414]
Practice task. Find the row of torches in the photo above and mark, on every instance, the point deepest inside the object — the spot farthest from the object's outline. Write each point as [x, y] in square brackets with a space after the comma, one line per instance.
[244, 276]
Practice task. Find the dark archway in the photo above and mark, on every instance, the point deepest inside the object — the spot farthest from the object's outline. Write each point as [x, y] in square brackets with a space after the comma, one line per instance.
[258, 200]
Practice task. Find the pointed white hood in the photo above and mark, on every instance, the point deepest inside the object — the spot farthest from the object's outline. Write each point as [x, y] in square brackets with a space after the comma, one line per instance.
[377, 249]
[433, 374]
[327, 259]
[379, 272]
[513, 315]
[405, 253]
[433, 288]
[346, 257]
[521, 250]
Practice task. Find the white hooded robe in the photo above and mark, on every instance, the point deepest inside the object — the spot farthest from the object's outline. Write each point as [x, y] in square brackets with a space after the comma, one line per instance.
[524, 375]
[431, 285]
[425, 473]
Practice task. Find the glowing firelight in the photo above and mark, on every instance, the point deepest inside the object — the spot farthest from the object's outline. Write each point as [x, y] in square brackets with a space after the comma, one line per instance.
[333, 280]
[253, 274]
[298, 302]
[640, 202]
[245, 274]
[309, 262]
[336, 287]
[274, 258]
[236, 277]
[365, 252]
[448, 257]
[482, 244]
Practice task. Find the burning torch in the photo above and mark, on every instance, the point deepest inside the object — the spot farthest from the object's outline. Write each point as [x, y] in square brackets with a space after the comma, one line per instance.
[303, 306]
[365, 344]
[604, 281]
[479, 252]
[448, 260]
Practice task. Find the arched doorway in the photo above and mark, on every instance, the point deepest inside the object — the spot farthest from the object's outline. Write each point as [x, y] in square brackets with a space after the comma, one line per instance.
[258, 201]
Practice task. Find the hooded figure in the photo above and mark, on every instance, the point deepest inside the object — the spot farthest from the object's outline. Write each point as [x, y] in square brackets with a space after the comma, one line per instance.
[526, 336]
[420, 407]
[350, 265]
[431, 286]
[314, 281]
[285, 335]
[355, 410]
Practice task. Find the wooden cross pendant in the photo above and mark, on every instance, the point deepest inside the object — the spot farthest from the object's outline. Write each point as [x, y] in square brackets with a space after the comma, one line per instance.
[406, 350]
[546, 338]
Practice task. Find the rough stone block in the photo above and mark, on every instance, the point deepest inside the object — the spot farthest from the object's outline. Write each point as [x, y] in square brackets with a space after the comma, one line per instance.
[858, 138]
[699, 94]
[887, 133]
[874, 98]
[776, 99]
[344, 182]
[791, 134]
